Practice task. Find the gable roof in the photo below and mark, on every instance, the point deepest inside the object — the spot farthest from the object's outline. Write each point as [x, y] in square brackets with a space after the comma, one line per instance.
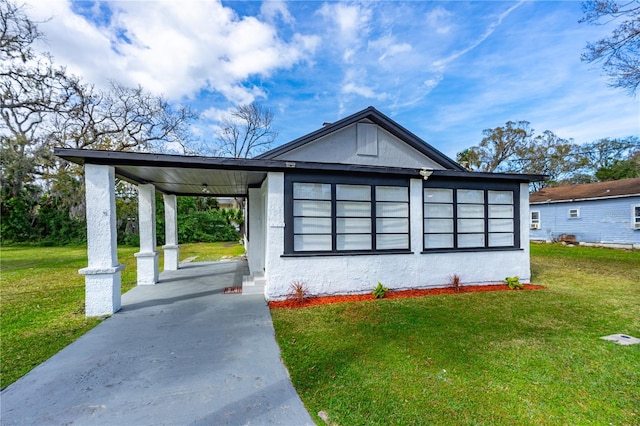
[377, 118]
[587, 191]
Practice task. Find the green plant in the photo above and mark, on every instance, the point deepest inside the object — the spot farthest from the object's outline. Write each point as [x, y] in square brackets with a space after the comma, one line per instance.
[514, 283]
[299, 291]
[454, 281]
[380, 291]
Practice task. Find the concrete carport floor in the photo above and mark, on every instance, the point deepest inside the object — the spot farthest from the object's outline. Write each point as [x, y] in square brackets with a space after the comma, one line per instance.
[178, 352]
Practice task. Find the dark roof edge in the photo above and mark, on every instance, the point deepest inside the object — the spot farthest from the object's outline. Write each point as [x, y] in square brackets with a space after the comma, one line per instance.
[383, 121]
[119, 158]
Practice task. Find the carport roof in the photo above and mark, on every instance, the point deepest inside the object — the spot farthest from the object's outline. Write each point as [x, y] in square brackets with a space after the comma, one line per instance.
[231, 177]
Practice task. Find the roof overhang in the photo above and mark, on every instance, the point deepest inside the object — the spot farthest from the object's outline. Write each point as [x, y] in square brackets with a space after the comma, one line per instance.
[232, 177]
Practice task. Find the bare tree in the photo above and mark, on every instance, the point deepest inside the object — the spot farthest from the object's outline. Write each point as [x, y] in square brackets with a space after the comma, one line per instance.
[620, 52]
[122, 119]
[246, 132]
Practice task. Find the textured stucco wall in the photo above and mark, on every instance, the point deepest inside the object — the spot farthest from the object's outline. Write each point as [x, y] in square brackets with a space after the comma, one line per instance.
[255, 241]
[325, 275]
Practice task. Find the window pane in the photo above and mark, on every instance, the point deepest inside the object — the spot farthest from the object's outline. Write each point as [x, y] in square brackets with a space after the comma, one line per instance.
[500, 197]
[501, 240]
[535, 216]
[353, 242]
[500, 225]
[470, 210]
[392, 226]
[313, 191]
[470, 225]
[311, 225]
[438, 225]
[353, 226]
[438, 195]
[392, 193]
[353, 192]
[392, 209]
[392, 241]
[312, 208]
[471, 240]
[312, 242]
[471, 196]
[438, 241]
[501, 211]
[352, 208]
[438, 210]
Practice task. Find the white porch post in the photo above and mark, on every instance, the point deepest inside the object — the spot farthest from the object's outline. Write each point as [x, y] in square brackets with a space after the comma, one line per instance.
[102, 276]
[171, 247]
[148, 256]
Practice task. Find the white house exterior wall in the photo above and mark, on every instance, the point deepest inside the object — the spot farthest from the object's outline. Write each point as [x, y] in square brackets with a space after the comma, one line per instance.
[341, 147]
[255, 242]
[343, 274]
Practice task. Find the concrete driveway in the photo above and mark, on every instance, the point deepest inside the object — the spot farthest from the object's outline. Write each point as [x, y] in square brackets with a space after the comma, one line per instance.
[178, 353]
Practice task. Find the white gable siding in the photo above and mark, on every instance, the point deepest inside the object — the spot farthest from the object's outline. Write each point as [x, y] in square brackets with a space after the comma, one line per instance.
[361, 144]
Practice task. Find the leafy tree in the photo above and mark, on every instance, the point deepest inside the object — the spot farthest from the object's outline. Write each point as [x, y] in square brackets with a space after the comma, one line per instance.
[550, 155]
[42, 106]
[620, 169]
[603, 153]
[498, 146]
[620, 52]
[246, 132]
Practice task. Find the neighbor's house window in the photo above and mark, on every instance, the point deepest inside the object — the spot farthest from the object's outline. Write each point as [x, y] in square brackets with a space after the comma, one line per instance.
[346, 215]
[636, 216]
[574, 213]
[535, 219]
[470, 218]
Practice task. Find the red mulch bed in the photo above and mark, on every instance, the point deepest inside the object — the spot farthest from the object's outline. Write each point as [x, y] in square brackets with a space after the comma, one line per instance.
[326, 300]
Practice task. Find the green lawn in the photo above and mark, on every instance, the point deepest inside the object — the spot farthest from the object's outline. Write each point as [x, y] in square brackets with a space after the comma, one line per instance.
[512, 358]
[42, 298]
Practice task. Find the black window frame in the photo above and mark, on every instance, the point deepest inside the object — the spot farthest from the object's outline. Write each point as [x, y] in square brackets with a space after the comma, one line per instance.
[369, 180]
[486, 186]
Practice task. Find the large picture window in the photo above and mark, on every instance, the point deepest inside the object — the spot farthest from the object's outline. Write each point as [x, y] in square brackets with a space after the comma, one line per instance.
[346, 215]
[470, 218]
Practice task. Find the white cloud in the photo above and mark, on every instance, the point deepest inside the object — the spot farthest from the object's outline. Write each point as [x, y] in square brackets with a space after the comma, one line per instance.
[389, 47]
[273, 9]
[348, 26]
[173, 48]
[439, 19]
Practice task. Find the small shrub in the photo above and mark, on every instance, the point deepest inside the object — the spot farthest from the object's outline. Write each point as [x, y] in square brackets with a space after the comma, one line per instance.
[514, 283]
[380, 291]
[299, 292]
[454, 281]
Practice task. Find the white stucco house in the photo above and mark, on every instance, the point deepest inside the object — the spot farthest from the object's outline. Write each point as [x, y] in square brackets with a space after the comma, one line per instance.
[357, 202]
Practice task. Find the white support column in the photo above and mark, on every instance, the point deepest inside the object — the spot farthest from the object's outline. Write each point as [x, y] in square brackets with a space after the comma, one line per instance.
[148, 256]
[171, 247]
[102, 276]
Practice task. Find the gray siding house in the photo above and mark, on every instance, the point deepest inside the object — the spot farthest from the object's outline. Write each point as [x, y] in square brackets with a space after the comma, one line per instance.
[603, 213]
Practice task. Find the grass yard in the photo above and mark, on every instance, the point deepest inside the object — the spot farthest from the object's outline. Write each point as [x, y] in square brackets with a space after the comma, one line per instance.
[516, 357]
[42, 308]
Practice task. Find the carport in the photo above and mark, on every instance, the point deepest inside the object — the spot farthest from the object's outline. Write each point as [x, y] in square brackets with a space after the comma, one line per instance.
[173, 176]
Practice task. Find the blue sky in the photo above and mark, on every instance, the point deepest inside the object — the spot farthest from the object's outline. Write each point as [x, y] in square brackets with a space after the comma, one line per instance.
[443, 70]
